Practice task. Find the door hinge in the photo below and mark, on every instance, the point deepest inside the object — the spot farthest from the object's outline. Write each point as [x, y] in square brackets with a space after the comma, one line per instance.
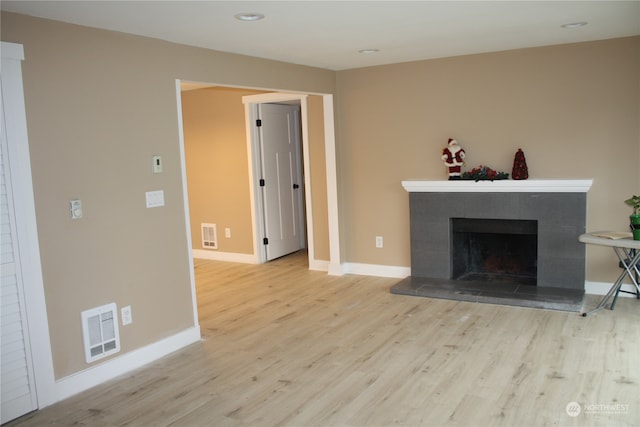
[258, 122]
[265, 241]
[296, 186]
[261, 182]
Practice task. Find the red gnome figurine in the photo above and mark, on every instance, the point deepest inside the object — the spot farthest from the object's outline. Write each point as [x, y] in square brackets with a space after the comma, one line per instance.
[453, 157]
[520, 170]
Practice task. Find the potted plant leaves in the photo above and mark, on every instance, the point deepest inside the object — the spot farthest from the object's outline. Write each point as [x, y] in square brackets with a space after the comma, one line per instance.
[634, 202]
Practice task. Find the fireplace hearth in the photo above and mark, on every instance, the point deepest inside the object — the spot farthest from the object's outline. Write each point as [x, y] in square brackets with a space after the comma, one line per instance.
[505, 242]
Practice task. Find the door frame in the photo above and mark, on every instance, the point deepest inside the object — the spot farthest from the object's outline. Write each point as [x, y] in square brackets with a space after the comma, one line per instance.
[251, 103]
[333, 266]
[26, 226]
[261, 205]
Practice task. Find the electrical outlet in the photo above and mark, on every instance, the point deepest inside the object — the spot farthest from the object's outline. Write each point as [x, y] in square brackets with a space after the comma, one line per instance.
[125, 312]
[379, 242]
[227, 233]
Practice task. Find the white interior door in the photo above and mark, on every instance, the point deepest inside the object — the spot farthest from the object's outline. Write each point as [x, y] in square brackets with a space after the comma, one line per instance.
[281, 182]
[17, 380]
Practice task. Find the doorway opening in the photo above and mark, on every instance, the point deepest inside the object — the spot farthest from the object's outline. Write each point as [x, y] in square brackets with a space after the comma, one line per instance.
[328, 182]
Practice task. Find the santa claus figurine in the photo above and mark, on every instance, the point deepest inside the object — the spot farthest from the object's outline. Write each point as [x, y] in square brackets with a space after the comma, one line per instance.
[452, 157]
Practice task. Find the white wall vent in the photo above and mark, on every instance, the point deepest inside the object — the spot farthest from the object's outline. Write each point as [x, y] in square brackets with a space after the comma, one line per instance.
[209, 236]
[100, 332]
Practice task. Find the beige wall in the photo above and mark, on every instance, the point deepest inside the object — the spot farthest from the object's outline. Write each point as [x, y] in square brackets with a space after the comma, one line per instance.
[99, 105]
[217, 165]
[573, 109]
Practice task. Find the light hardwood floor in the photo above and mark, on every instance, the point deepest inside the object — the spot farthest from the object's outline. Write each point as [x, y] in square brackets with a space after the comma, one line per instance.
[284, 346]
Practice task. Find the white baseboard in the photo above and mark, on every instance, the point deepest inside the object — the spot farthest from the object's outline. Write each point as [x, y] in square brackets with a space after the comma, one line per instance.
[334, 269]
[225, 256]
[112, 368]
[376, 270]
[318, 265]
[601, 288]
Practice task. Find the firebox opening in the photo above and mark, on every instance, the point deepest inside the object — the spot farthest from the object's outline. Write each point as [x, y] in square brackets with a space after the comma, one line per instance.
[494, 250]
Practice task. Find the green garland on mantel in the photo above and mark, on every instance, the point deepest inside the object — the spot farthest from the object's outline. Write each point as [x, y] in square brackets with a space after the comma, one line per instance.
[484, 173]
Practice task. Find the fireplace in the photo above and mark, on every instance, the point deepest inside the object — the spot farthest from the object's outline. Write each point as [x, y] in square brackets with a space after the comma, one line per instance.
[494, 250]
[504, 241]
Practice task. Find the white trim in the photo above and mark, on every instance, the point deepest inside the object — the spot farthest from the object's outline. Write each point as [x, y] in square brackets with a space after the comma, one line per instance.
[601, 288]
[257, 227]
[185, 201]
[262, 98]
[303, 120]
[376, 270]
[335, 267]
[110, 369]
[499, 186]
[319, 265]
[225, 256]
[26, 227]
[12, 51]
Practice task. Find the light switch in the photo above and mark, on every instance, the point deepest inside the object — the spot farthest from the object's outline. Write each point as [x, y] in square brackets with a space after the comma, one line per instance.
[157, 164]
[155, 198]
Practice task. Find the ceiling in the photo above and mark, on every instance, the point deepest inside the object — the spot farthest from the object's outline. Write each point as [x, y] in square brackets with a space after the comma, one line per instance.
[329, 34]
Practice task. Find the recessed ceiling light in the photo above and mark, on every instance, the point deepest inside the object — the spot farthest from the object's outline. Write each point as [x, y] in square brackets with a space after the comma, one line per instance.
[367, 51]
[249, 16]
[573, 25]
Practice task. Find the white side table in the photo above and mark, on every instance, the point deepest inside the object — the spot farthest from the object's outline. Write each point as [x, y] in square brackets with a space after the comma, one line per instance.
[628, 252]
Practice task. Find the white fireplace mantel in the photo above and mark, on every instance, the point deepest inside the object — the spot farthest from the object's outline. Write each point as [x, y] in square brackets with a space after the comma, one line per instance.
[499, 186]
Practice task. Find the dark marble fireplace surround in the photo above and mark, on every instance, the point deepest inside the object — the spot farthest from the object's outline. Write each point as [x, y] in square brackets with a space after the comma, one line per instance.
[561, 219]
[560, 216]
